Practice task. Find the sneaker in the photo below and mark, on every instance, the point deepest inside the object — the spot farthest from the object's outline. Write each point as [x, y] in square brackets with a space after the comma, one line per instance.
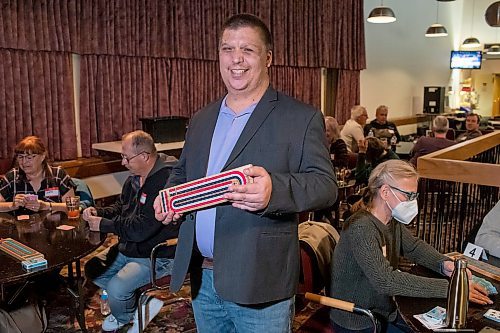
[111, 324]
[149, 311]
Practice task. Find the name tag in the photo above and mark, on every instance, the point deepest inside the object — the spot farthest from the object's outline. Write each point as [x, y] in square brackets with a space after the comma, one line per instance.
[142, 200]
[52, 192]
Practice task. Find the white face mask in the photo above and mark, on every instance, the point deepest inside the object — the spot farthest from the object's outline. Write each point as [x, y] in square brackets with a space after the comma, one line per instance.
[405, 211]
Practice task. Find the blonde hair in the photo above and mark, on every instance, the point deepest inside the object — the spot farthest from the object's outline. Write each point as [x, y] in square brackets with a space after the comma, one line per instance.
[386, 173]
[332, 123]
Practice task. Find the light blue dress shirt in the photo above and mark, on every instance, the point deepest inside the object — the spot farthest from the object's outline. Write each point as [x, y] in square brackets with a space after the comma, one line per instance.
[227, 131]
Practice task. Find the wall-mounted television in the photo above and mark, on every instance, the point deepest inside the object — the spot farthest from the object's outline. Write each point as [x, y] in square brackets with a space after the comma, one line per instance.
[466, 59]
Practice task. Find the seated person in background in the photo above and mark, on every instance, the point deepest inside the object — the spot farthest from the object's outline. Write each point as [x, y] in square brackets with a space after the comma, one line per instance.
[337, 146]
[123, 270]
[472, 128]
[352, 131]
[371, 242]
[488, 236]
[380, 127]
[426, 145]
[372, 152]
[33, 175]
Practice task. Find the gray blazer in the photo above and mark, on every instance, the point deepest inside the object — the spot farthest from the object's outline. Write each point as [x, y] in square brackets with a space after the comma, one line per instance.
[256, 255]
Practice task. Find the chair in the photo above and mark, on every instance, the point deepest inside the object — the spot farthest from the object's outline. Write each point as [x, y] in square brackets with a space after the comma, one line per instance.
[161, 284]
[83, 191]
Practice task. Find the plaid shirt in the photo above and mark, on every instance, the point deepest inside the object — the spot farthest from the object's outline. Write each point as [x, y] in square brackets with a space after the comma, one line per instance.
[52, 189]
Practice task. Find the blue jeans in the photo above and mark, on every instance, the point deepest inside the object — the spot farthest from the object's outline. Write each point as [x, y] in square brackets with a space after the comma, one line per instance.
[123, 277]
[213, 314]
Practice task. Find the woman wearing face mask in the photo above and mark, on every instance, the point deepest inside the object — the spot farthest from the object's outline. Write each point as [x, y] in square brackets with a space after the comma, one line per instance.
[366, 258]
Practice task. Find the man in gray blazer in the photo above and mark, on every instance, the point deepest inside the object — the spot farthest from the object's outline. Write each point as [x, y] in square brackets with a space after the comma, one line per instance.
[244, 256]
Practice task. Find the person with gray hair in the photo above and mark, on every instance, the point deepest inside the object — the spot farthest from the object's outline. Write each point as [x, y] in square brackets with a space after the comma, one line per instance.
[426, 145]
[371, 243]
[352, 131]
[124, 268]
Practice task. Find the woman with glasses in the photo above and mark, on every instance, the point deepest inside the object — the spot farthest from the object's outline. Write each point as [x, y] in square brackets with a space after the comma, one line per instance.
[365, 264]
[33, 184]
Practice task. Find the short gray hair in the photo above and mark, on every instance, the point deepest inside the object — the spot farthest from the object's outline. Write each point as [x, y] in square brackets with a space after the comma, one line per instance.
[357, 111]
[440, 124]
[141, 141]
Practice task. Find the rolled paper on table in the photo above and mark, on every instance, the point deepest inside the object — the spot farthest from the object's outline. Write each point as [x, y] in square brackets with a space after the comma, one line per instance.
[203, 192]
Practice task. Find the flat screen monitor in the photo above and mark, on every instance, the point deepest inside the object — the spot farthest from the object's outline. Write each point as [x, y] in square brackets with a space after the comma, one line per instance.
[466, 59]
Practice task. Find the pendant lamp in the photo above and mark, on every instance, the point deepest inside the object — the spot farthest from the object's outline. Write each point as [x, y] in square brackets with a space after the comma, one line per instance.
[381, 14]
[436, 30]
[471, 42]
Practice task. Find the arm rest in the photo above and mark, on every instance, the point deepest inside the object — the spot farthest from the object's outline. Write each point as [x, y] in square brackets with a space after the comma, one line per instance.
[154, 252]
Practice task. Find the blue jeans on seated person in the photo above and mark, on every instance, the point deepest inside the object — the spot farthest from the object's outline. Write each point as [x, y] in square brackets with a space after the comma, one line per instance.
[399, 325]
[213, 314]
[123, 277]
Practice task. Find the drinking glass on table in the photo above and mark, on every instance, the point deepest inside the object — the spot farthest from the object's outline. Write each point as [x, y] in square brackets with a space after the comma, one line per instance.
[73, 207]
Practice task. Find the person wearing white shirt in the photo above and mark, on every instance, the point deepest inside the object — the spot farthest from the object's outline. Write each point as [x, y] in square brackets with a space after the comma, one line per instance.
[352, 131]
[488, 236]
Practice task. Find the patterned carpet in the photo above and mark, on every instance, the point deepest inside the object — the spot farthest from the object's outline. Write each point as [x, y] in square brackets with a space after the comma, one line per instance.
[173, 318]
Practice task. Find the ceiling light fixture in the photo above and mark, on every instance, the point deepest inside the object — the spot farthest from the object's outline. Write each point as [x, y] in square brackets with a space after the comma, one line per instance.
[381, 14]
[436, 30]
[471, 42]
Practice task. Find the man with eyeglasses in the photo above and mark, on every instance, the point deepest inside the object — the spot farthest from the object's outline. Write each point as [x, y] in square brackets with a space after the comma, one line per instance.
[122, 269]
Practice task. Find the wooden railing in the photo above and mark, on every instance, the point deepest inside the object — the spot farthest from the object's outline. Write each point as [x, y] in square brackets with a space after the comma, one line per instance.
[458, 186]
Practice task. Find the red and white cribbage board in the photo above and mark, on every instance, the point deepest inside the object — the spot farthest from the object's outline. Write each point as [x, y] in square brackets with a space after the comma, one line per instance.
[203, 192]
[18, 250]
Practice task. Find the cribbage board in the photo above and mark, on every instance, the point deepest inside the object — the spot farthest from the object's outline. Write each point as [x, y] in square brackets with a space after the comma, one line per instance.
[480, 267]
[18, 250]
[203, 192]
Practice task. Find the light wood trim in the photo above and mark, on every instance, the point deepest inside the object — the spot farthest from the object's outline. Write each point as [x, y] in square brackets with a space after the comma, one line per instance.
[449, 164]
[410, 120]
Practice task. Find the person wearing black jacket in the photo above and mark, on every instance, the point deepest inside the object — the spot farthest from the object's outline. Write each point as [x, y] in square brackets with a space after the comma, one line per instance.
[125, 267]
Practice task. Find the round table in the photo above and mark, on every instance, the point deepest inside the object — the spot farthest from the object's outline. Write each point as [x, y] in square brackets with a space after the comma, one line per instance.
[59, 247]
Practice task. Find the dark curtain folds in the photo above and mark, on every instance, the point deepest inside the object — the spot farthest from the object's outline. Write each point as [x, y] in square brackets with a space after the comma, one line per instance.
[36, 98]
[40, 25]
[156, 57]
[347, 90]
[115, 92]
[320, 33]
[301, 83]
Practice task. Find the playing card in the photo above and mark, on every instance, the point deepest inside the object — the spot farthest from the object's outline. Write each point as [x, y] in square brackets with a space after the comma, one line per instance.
[493, 315]
[31, 197]
[486, 284]
[65, 227]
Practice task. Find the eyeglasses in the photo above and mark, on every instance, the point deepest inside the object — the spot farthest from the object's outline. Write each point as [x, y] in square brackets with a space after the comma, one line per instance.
[26, 157]
[128, 159]
[409, 195]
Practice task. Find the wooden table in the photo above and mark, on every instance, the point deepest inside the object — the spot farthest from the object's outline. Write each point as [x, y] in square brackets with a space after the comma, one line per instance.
[410, 306]
[60, 248]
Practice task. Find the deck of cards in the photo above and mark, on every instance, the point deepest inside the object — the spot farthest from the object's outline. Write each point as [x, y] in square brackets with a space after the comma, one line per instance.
[493, 315]
[490, 288]
[435, 318]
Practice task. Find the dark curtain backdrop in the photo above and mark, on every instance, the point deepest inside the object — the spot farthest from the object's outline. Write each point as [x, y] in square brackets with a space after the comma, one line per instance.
[158, 57]
[36, 98]
[347, 90]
